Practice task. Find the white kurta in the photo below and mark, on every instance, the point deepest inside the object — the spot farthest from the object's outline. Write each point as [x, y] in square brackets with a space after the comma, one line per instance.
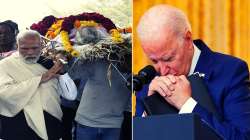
[20, 90]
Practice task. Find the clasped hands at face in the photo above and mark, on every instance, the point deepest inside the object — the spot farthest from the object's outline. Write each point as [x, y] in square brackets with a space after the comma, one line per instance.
[176, 90]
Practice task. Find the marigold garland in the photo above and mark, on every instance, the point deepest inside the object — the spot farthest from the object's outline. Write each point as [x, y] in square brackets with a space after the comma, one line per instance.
[66, 43]
[51, 27]
[116, 36]
[54, 30]
[56, 27]
[85, 23]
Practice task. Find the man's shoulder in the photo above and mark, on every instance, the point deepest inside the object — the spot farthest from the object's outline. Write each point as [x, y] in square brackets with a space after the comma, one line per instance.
[227, 60]
[228, 67]
[6, 60]
[216, 57]
[6, 64]
[223, 66]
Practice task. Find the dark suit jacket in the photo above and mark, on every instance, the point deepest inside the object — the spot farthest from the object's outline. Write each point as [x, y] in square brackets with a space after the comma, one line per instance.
[226, 78]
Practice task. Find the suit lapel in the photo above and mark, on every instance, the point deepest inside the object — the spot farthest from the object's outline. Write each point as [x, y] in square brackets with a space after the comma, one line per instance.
[205, 60]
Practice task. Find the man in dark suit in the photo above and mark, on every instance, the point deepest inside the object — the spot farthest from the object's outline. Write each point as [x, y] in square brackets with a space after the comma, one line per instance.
[165, 36]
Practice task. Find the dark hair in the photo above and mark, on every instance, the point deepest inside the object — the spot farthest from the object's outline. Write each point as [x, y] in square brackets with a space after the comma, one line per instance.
[13, 26]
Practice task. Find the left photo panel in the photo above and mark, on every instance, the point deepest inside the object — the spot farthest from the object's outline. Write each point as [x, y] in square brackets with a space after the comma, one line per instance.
[65, 70]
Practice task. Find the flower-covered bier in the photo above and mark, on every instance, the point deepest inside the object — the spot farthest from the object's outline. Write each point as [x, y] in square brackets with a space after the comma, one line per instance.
[51, 26]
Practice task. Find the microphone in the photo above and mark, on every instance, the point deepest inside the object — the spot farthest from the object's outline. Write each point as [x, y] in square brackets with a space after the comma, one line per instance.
[143, 77]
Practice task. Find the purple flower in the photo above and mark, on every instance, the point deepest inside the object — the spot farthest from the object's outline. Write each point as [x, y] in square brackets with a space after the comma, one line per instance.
[48, 21]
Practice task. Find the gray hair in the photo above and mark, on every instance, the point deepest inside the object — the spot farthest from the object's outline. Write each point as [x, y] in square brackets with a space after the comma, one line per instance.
[26, 34]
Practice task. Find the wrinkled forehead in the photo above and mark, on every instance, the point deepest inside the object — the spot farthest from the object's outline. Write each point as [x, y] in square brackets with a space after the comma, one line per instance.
[160, 48]
[30, 39]
[159, 37]
[161, 42]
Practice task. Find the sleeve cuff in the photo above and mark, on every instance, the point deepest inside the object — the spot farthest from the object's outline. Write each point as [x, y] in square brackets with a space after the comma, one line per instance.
[188, 106]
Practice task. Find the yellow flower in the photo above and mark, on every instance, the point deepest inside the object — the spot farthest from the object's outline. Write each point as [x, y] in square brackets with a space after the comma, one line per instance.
[86, 23]
[79, 24]
[54, 26]
[117, 39]
[75, 53]
[116, 36]
[54, 30]
[65, 40]
[64, 33]
[66, 44]
[57, 31]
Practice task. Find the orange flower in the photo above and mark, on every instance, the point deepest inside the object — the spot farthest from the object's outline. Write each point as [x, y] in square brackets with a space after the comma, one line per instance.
[77, 24]
[128, 30]
[54, 30]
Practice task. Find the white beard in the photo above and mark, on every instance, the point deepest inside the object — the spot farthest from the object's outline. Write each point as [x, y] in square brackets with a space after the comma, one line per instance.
[29, 59]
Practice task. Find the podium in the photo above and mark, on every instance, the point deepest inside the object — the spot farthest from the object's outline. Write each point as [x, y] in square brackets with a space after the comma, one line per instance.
[172, 127]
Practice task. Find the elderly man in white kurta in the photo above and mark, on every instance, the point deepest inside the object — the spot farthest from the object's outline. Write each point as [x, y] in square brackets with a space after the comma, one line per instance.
[27, 86]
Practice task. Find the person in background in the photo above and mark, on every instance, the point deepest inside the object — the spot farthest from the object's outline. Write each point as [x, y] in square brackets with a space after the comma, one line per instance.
[126, 128]
[8, 32]
[104, 99]
[69, 109]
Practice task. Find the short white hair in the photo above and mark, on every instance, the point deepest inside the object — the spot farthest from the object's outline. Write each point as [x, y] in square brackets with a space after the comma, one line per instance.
[27, 33]
[162, 17]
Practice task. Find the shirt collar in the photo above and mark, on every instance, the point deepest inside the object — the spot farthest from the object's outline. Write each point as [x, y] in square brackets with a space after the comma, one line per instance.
[195, 58]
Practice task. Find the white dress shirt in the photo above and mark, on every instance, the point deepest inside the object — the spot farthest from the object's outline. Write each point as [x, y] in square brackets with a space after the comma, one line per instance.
[190, 104]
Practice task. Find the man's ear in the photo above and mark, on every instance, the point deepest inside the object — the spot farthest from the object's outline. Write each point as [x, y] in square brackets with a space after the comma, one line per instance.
[188, 38]
[188, 35]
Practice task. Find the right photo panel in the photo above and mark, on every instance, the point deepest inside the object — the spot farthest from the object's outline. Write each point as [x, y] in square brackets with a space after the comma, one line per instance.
[190, 70]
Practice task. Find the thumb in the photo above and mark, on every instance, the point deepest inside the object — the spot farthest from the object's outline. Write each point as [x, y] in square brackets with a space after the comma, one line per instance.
[150, 92]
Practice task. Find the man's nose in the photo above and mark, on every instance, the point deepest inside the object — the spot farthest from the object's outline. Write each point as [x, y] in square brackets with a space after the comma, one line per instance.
[30, 52]
[164, 68]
